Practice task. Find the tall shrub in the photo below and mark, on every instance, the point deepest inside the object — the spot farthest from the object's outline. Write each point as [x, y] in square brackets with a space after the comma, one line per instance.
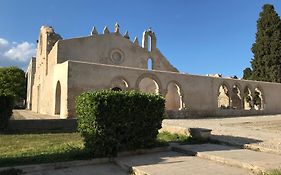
[6, 107]
[112, 121]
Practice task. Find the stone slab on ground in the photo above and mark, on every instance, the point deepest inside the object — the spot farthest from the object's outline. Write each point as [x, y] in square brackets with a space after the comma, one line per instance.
[173, 163]
[99, 169]
[252, 160]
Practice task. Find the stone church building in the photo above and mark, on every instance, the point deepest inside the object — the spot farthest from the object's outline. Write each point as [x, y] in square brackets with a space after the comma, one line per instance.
[64, 68]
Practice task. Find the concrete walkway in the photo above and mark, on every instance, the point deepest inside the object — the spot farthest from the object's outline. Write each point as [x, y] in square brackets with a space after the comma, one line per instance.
[173, 163]
[243, 158]
[256, 132]
[30, 115]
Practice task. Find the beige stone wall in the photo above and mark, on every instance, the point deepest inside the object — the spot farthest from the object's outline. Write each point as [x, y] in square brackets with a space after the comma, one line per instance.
[199, 93]
[30, 81]
[47, 73]
[111, 49]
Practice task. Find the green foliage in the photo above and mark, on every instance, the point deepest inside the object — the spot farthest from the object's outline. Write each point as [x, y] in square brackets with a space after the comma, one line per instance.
[272, 172]
[170, 137]
[6, 110]
[12, 82]
[112, 121]
[266, 63]
[247, 74]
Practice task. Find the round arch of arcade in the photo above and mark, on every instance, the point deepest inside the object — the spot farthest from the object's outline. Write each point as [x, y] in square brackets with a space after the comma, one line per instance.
[149, 83]
[119, 83]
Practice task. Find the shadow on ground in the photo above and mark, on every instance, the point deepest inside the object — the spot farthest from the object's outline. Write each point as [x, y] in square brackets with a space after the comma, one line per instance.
[41, 126]
[233, 140]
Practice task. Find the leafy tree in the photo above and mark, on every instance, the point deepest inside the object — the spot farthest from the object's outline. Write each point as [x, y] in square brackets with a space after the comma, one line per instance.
[247, 74]
[266, 63]
[12, 82]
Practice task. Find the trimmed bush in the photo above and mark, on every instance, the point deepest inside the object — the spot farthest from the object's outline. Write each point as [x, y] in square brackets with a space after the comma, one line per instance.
[6, 110]
[113, 121]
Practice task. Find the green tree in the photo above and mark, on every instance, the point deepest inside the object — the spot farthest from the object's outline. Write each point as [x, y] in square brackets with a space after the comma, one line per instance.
[247, 74]
[13, 83]
[266, 63]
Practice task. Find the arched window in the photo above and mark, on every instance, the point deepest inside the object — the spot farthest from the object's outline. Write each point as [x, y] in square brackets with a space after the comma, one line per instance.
[223, 97]
[258, 100]
[247, 99]
[149, 44]
[236, 98]
[58, 99]
[149, 64]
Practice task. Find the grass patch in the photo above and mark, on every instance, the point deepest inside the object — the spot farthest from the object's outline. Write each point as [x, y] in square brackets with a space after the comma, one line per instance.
[179, 138]
[272, 172]
[21, 149]
[41, 148]
[169, 137]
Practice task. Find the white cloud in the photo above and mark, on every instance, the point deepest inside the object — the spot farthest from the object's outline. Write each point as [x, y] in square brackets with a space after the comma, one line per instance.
[20, 52]
[3, 42]
[14, 53]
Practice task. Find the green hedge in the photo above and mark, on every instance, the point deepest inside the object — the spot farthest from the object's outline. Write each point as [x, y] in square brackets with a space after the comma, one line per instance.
[6, 110]
[112, 121]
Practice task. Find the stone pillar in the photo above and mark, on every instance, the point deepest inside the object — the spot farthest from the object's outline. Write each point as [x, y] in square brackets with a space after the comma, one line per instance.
[163, 92]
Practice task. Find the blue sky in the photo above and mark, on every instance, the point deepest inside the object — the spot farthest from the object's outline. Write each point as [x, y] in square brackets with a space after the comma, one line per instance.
[197, 36]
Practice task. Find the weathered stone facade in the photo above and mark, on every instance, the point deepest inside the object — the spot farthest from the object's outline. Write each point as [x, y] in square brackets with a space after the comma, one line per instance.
[67, 67]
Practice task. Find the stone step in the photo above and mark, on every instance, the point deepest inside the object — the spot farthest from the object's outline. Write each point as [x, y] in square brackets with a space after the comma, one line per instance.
[233, 156]
[174, 163]
[245, 144]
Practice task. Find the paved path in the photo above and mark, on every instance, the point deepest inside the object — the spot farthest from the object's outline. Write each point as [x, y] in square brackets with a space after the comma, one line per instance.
[261, 132]
[27, 114]
[173, 163]
[160, 163]
[243, 158]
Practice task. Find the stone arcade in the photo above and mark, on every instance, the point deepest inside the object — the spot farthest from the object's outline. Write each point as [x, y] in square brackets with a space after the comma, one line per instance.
[64, 68]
